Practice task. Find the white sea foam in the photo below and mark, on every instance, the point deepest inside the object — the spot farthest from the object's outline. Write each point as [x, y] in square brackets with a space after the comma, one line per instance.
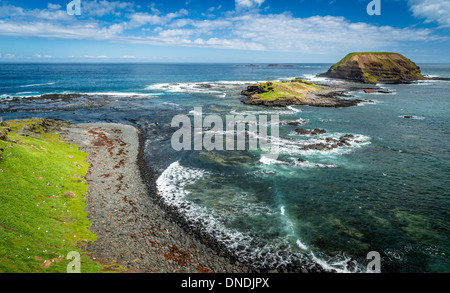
[25, 93]
[199, 87]
[170, 104]
[300, 120]
[292, 108]
[266, 112]
[122, 94]
[19, 95]
[301, 245]
[371, 102]
[112, 94]
[269, 161]
[310, 164]
[315, 78]
[37, 84]
[323, 80]
[172, 181]
[294, 146]
[337, 265]
[426, 82]
[171, 187]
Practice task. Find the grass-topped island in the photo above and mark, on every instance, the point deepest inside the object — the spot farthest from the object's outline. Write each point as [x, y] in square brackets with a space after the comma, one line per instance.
[296, 92]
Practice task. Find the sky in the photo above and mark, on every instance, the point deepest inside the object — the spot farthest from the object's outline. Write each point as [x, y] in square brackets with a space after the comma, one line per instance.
[233, 31]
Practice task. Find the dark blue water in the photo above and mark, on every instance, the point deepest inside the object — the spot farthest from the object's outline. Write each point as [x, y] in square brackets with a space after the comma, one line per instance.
[387, 191]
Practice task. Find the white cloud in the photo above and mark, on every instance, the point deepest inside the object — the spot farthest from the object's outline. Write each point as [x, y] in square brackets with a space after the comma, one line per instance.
[102, 7]
[248, 3]
[238, 30]
[53, 30]
[319, 34]
[51, 6]
[432, 10]
[42, 56]
[283, 32]
[143, 18]
[176, 32]
[10, 11]
[140, 19]
[18, 13]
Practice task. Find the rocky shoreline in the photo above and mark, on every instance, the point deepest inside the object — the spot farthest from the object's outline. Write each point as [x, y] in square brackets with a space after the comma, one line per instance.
[210, 241]
[136, 229]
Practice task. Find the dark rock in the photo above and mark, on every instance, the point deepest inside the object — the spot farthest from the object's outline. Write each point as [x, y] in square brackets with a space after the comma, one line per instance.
[347, 136]
[292, 123]
[280, 65]
[351, 265]
[438, 78]
[371, 91]
[316, 131]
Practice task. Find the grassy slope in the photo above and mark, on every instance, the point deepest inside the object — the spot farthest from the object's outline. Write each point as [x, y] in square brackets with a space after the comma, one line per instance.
[38, 224]
[273, 90]
[350, 55]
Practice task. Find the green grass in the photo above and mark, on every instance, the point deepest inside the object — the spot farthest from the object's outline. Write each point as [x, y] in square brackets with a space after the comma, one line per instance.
[350, 55]
[38, 224]
[297, 88]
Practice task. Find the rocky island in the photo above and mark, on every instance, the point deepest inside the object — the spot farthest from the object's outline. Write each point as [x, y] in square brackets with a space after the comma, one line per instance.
[296, 92]
[375, 67]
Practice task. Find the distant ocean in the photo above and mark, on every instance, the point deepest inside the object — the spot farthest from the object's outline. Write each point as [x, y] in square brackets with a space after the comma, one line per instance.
[387, 191]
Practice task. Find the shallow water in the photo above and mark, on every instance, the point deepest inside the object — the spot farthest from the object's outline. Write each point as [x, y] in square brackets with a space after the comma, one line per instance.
[386, 191]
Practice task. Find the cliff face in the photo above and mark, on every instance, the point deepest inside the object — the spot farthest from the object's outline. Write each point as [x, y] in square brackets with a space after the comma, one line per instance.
[375, 68]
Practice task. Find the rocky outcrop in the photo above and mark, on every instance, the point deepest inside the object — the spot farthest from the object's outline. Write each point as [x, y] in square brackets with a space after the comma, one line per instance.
[378, 67]
[332, 143]
[296, 92]
[313, 132]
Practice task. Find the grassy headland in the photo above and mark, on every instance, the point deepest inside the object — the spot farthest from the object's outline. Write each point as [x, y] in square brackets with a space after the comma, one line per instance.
[42, 199]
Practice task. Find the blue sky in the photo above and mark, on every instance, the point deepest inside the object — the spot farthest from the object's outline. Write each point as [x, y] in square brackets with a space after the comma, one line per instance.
[244, 31]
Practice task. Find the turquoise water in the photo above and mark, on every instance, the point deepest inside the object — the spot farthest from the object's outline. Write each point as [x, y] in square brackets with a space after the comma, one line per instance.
[387, 191]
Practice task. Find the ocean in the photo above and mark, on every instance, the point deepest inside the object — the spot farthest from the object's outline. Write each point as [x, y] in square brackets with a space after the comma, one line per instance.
[386, 190]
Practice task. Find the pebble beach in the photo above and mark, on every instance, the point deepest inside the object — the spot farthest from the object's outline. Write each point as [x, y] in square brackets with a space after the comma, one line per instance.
[134, 231]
